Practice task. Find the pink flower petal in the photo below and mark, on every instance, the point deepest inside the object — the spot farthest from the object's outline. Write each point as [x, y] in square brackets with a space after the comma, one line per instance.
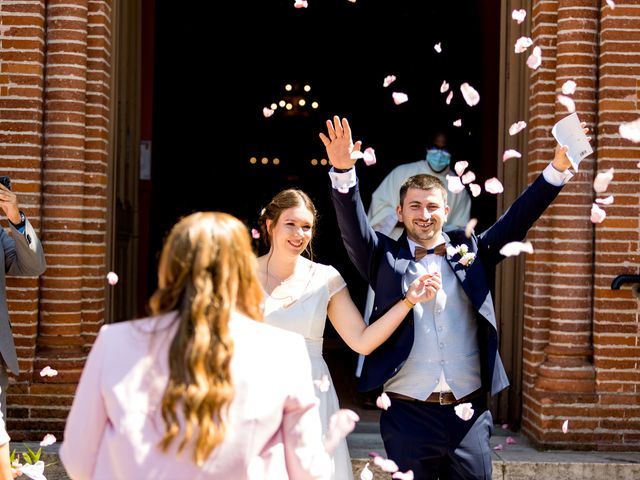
[517, 127]
[464, 410]
[341, 424]
[385, 464]
[383, 402]
[475, 189]
[457, 123]
[493, 185]
[49, 439]
[449, 97]
[509, 154]
[565, 426]
[470, 94]
[498, 447]
[511, 441]
[408, 475]
[569, 87]
[369, 156]
[471, 224]
[301, 4]
[630, 131]
[48, 372]
[323, 384]
[612, 4]
[255, 233]
[505, 426]
[112, 278]
[356, 155]
[567, 103]
[267, 112]
[399, 97]
[460, 166]
[468, 177]
[454, 184]
[519, 15]
[535, 59]
[516, 248]
[388, 80]
[438, 47]
[522, 44]
[444, 87]
[366, 474]
[602, 180]
[466, 260]
[597, 214]
[605, 201]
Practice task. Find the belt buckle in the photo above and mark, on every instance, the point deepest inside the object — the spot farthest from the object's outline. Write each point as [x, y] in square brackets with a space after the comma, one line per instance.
[442, 400]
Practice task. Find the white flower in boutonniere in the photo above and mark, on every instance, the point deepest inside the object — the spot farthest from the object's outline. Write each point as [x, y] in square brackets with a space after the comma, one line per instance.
[466, 257]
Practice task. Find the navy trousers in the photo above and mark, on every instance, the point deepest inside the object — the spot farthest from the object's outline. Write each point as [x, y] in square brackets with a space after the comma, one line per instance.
[435, 443]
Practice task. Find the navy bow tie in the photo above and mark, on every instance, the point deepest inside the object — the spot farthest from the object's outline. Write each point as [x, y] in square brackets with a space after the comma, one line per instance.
[420, 252]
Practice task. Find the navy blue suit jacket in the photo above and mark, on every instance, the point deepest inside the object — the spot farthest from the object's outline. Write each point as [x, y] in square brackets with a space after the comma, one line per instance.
[383, 261]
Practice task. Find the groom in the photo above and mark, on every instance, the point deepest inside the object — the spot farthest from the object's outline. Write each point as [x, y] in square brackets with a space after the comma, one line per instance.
[445, 354]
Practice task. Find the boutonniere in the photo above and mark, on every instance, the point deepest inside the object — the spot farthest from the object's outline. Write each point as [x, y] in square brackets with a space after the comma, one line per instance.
[466, 257]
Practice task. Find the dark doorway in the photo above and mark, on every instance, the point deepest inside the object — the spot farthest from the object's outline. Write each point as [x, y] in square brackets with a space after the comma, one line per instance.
[211, 87]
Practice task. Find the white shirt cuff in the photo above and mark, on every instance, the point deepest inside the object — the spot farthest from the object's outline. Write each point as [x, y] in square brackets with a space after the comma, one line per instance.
[554, 177]
[343, 181]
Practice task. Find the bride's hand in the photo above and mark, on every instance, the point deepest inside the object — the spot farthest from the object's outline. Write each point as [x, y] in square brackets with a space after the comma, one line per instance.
[424, 288]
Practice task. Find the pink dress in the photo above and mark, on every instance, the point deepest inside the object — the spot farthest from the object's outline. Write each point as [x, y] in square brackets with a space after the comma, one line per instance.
[115, 423]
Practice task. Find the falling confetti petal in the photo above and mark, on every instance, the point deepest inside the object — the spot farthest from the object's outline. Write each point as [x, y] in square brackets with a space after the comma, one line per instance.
[569, 87]
[267, 112]
[112, 278]
[498, 447]
[597, 214]
[341, 424]
[605, 201]
[461, 166]
[408, 475]
[454, 184]
[356, 155]
[449, 97]
[471, 224]
[509, 154]
[48, 439]
[475, 189]
[468, 177]
[612, 4]
[464, 410]
[255, 233]
[369, 156]
[630, 131]
[301, 4]
[535, 59]
[399, 97]
[48, 372]
[511, 441]
[470, 94]
[323, 384]
[438, 47]
[388, 80]
[386, 464]
[515, 248]
[35, 471]
[567, 102]
[519, 15]
[602, 180]
[444, 87]
[493, 185]
[383, 402]
[457, 123]
[517, 127]
[366, 474]
[565, 426]
[522, 44]
[505, 426]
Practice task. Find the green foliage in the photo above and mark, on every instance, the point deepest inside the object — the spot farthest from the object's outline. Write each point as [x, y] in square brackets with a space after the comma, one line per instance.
[29, 456]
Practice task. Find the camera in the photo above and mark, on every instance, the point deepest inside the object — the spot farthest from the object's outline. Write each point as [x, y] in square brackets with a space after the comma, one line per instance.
[6, 181]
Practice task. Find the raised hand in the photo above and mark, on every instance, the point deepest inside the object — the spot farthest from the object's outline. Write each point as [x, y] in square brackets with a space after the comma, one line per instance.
[560, 160]
[9, 204]
[339, 143]
[424, 288]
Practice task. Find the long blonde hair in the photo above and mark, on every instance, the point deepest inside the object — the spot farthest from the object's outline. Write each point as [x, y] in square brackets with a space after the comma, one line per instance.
[207, 271]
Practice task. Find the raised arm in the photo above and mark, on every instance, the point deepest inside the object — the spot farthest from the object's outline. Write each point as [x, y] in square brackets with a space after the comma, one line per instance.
[363, 338]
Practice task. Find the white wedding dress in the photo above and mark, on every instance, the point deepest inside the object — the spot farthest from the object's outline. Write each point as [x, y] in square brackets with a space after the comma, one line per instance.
[300, 305]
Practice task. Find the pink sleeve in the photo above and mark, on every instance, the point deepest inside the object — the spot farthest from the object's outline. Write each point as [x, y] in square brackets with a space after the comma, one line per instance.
[305, 455]
[88, 417]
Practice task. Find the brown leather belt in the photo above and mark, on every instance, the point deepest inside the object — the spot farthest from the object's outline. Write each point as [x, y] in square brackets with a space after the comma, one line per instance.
[442, 398]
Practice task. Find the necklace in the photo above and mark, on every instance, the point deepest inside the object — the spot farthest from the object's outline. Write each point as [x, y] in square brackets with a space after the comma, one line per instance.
[292, 295]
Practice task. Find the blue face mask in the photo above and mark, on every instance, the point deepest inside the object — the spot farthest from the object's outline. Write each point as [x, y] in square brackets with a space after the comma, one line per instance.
[438, 159]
